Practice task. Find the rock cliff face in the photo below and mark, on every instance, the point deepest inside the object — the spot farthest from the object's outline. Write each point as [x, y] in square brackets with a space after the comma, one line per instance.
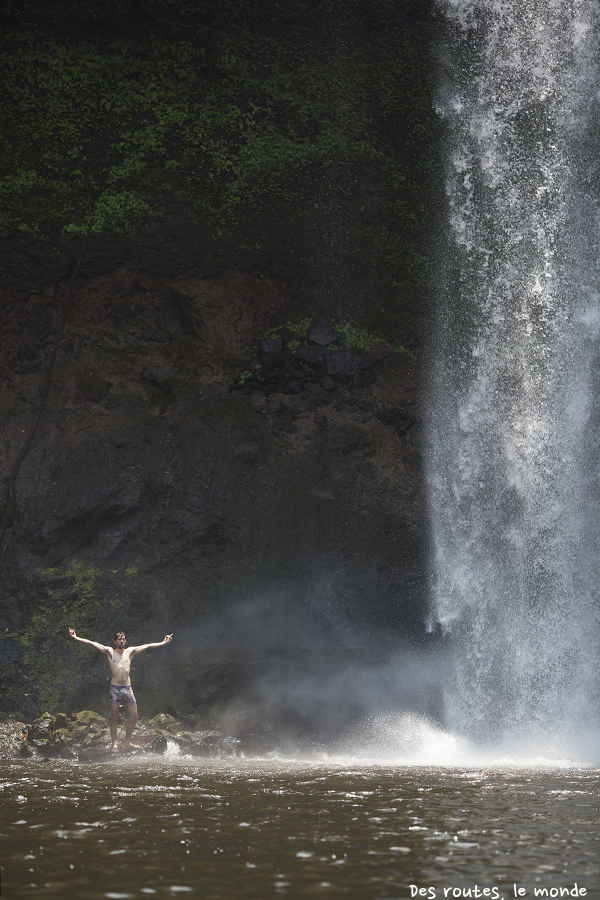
[276, 526]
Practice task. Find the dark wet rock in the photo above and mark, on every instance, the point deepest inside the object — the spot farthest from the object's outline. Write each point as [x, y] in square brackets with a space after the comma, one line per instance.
[12, 734]
[381, 351]
[257, 744]
[54, 748]
[204, 744]
[41, 729]
[270, 347]
[78, 734]
[201, 749]
[63, 751]
[344, 439]
[322, 333]
[273, 406]
[188, 313]
[229, 746]
[96, 755]
[398, 419]
[271, 388]
[89, 717]
[342, 363]
[271, 361]
[327, 383]
[162, 720]
[152, 743]
[324, 495]
[294, 386]
[93, 388]
[61, 721]
[310, 355]
[95, 739]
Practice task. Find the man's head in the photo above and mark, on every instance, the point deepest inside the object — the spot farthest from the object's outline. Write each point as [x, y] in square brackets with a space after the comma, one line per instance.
[120, 640]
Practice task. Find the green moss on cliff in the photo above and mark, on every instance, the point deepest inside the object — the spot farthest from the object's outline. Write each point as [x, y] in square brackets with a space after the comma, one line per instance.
[247, 108]
[73, 597]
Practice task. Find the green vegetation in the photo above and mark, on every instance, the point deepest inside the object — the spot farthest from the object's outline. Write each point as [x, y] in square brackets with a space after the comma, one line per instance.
[356, 338]
[251, 109]
[244, 376]
[75, 598]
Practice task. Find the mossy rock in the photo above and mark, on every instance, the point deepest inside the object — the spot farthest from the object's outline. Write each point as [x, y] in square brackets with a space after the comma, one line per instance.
[78, 735]
[61, 722]
[93, 740]
[88, 717]
[41, 728]
[163, 720]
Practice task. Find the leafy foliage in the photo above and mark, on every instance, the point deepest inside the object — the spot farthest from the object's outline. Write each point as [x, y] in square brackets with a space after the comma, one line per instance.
[247, 107]
[354, 337]
[74, 599]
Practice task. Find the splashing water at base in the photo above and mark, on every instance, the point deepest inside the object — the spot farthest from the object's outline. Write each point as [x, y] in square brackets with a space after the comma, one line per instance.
[410, 739]
[512, 457]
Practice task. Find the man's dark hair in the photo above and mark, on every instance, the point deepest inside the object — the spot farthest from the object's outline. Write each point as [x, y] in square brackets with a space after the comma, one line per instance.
[118, 635]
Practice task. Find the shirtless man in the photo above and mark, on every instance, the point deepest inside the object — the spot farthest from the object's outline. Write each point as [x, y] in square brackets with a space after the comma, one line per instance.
[120, 691]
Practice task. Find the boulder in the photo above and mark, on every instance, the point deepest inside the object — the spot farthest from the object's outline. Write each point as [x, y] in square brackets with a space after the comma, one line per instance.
[294, 386]
[41, 729]
[272, 406]
[270, 346]
[162, 720]
[78, 734]
[229, 746]
[310, 355]
[61, 721]
[200, 749]
[322, 333]
[204, 744]
[88, 717]
[151, 743]
[342, 363]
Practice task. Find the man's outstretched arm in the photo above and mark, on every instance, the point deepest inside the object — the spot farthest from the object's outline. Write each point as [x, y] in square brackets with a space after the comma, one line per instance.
[166, 640]
[101, 647]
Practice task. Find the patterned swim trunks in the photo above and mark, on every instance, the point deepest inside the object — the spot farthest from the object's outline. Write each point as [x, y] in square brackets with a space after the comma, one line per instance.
[121, 693]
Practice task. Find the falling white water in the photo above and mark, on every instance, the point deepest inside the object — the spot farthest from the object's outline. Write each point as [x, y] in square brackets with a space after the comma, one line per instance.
[513, 457]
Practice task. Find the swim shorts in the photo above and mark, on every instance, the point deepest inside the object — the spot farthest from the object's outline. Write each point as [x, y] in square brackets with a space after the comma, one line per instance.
[122, 693]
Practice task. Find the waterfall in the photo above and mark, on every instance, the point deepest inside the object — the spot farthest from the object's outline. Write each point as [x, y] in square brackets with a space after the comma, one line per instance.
[513, 450]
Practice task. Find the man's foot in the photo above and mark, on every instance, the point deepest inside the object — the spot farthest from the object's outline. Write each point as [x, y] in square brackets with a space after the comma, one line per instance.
[114, 749]
[130, 746]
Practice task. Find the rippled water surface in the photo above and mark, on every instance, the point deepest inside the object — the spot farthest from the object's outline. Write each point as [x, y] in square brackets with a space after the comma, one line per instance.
[215, 829]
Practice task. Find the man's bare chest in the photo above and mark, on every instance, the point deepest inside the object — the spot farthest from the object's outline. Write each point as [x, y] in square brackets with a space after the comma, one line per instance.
[120, 661]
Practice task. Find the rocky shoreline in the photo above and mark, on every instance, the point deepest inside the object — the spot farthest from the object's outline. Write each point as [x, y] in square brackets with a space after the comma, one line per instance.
[85, 736]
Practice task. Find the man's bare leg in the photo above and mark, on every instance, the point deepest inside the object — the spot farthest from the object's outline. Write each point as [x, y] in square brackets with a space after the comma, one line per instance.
[132, 722]
[114, 720]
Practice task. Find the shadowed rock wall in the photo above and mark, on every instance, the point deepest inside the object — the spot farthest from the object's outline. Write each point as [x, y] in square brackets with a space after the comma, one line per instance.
[282, 543]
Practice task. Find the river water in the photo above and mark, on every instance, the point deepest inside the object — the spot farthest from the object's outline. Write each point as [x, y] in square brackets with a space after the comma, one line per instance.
[277, 828]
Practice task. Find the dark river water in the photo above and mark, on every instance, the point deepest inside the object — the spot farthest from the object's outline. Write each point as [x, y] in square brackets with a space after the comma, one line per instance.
[275, 828]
